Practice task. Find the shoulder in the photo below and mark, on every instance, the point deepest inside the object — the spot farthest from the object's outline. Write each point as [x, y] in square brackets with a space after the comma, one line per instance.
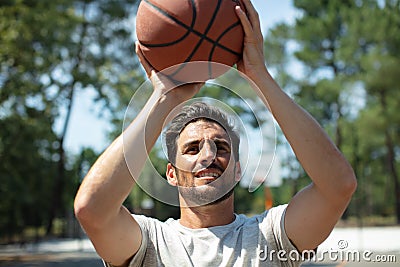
[272, 220]
[273, 227]
[149, 222]
[271, 216]
[155, 233]
[150, 226]
[276, 214]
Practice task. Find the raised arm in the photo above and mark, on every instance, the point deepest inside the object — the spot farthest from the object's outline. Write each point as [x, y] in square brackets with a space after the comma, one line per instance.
[314, 211]
[98, 203]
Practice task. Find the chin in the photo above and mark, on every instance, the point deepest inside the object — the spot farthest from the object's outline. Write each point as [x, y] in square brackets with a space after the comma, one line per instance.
[221, 199]
[194, 196]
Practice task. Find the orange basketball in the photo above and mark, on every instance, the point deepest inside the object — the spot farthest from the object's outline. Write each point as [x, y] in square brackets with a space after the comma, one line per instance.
[172, 32]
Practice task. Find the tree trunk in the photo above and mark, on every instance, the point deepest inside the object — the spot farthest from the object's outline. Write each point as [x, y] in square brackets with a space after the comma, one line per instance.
[393, 172]
[56, 203]
[391, 158]
[60, 179]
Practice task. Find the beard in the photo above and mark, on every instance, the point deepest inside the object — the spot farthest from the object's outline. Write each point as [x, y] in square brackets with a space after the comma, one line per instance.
[209, 194]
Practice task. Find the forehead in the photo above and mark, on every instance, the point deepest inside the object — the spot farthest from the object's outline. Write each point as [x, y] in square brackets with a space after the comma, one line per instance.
[202, 129]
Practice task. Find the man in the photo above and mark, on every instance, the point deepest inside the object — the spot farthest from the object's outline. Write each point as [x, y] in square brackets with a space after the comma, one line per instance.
[208, 232]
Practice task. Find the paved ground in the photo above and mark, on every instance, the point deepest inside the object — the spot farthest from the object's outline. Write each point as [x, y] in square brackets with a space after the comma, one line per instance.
[62, 259]
[53, 253]
[370, 247]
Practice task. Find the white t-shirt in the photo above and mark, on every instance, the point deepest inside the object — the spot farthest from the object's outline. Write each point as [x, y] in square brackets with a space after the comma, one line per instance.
[256, 241]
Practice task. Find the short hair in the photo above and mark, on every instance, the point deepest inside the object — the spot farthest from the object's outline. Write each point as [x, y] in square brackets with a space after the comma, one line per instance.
[199, 111]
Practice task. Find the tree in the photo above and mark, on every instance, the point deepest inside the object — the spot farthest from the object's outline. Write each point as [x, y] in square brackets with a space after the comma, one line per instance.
[49, 51]
[372, 48]
[349, 84]
[27, 156]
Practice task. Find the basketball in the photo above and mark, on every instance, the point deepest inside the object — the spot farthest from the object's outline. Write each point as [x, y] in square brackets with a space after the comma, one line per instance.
[172, 32]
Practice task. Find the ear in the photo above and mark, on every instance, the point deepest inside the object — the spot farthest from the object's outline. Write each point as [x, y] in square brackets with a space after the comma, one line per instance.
[238, 172]
[171, 175]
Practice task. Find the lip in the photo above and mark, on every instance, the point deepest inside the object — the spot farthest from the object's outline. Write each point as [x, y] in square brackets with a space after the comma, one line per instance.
[205, 181]
[214, 170]
[207, 178]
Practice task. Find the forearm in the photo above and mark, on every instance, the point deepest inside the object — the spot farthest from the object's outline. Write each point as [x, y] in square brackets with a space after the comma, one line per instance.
[320, 158]
[111, 179]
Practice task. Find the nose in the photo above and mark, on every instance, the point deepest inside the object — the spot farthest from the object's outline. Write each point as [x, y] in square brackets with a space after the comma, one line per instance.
[208, 152]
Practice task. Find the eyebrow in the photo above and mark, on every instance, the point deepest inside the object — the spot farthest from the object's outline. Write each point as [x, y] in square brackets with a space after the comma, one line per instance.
[221, 142]
[217, 141]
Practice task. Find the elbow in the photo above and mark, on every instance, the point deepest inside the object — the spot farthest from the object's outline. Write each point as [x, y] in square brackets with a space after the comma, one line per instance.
[85, 213]
[92, 214]
[82, 210]
[349, 183]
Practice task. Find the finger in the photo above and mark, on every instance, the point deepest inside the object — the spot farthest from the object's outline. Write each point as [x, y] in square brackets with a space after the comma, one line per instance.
[254, 18]
[255, 31]
[146, 65]
[252, 14]
[247, 28]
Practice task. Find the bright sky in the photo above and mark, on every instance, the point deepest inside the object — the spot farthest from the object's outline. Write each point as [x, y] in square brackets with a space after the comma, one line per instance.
[87, 130]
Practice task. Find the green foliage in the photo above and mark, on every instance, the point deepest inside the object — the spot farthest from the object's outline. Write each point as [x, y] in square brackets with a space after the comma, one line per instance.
[49, 51]
[27, 155]
[52, 49]
[350, 50]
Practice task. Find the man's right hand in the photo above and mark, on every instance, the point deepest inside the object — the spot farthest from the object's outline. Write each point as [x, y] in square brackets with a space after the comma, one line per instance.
[164, 86]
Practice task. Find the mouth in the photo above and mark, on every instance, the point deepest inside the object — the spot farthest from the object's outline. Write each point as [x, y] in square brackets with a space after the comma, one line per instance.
[208, 174]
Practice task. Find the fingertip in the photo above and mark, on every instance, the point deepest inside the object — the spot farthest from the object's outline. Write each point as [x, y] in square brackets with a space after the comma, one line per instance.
[238, 9]
[137, 46]
[240, 13]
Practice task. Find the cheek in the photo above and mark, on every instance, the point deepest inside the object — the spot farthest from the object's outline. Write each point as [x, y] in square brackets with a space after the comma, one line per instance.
[224, 160]
[228, 164]
[186, 163]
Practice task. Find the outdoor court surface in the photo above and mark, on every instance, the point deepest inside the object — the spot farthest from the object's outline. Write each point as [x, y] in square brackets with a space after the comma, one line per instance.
[91, 260]
[80, 252]
[63, 259]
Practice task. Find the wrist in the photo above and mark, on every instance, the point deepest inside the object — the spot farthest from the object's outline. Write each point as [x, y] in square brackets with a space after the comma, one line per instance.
[162, 104]
[179, 94]
[261, 76]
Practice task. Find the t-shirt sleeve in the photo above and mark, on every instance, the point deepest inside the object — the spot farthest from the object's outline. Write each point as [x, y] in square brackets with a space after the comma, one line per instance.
[137, 259]
[285, 251]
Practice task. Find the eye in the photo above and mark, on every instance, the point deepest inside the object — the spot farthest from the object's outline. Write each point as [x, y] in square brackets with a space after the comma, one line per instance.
[223, 148]
[194, 149]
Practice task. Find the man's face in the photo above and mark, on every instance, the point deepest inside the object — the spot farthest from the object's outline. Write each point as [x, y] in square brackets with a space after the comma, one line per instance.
[204, 168]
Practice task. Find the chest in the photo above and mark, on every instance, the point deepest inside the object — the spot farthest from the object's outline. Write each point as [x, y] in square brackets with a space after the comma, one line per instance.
[241, 247]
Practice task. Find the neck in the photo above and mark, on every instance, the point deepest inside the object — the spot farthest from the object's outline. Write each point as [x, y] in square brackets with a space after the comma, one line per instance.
[216, 214]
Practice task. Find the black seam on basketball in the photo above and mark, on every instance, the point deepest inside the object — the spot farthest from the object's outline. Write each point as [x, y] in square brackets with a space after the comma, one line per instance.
[194, 50]
[209, 69]
[176, 21]
[219, 38]
[216, 43]
[214, 46]
[202, 37]
[188, 28]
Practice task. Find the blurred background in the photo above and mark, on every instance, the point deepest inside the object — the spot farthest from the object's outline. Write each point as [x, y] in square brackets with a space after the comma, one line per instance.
[68, 71]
